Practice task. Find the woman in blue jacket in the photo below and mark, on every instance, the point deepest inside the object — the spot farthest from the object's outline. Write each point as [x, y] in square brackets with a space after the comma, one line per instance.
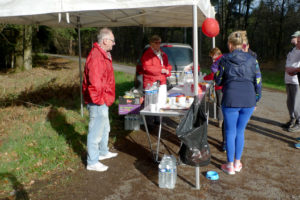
[239, 74]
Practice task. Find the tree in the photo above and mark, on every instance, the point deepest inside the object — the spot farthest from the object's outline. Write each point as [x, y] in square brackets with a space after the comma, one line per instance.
[27, 47]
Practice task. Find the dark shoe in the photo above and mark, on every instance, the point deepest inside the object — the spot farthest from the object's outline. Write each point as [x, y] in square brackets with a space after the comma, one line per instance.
[224, 147]
[290, 124]
[295, 128]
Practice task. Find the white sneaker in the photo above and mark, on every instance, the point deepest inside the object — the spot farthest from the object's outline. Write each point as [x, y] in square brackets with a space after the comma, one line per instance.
[108, 155]
[97, 167]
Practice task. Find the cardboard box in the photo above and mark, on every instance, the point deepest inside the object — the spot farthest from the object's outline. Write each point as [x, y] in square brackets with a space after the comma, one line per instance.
[134, 101]
[130, 105]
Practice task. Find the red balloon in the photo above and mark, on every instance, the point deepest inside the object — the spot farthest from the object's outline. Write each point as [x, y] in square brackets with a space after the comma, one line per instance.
[210, 27]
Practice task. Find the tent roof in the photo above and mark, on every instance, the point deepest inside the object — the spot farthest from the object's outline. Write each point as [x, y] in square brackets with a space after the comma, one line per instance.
[111, 13]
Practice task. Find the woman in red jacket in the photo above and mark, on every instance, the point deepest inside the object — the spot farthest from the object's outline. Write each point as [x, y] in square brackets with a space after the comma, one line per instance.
[216, 54]
[155, 63]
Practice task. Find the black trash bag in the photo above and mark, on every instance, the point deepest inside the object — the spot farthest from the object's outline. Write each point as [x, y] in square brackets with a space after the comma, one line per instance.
[192, 131]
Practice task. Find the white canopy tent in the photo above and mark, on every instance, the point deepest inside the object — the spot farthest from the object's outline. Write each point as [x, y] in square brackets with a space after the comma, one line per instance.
[93, 13]
[111, 13]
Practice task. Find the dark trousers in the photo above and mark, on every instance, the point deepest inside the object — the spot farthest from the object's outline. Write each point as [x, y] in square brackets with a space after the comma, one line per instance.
[219, 95]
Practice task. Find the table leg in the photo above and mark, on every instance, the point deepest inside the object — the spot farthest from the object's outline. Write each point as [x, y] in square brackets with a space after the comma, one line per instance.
[146, 127]
[158, 140]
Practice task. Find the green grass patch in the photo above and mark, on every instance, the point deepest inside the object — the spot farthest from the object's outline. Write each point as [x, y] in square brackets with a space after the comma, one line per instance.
[44, 140]
[273, 79]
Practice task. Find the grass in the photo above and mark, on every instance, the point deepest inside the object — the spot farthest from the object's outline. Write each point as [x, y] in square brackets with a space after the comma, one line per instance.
[41, 130]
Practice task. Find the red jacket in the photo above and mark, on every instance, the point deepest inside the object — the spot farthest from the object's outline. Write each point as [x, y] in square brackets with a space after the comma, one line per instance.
[152, 67]
[98, 85]
[210, 77]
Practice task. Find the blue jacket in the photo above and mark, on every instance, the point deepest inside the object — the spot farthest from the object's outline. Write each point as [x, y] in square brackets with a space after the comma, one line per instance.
[239, 74]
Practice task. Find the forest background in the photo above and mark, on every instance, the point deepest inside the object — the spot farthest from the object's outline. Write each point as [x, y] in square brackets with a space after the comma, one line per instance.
[269, 25]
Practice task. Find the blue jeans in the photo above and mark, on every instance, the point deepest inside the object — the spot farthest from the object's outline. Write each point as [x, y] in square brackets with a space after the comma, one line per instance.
[235, 121]
[97, 138]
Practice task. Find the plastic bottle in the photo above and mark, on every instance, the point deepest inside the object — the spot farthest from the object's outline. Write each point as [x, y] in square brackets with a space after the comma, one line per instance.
[162, 174]
[174, 165]
[126, 122]
[168, 176]
[155, 93]
[147, 95]
[188, 81]
[168, 171]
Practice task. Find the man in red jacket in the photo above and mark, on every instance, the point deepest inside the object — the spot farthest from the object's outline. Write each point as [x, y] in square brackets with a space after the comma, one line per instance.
[155, 65]
[98, 90]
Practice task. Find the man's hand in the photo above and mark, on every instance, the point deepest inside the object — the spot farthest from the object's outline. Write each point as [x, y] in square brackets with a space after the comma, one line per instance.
[165, 71]
[291, 71]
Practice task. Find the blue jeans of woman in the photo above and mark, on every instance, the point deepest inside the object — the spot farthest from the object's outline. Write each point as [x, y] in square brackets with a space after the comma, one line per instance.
[99, 127]
[235, 121]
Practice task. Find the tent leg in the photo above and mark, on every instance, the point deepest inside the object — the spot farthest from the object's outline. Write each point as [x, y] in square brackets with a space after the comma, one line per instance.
[80, 73]
[215, 105]
[195, 46]
[198, 178]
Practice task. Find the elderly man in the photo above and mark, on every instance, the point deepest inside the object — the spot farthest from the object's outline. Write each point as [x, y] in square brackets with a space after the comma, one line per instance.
[292, 85]
[155, 63]
[98, 89]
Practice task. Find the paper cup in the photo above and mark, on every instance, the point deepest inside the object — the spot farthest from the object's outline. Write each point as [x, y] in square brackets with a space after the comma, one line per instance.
[172, 100]
[152, 107]
[181, 101]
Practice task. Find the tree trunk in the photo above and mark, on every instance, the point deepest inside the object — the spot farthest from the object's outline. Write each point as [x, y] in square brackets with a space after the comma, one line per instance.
[19, 50]
[71, 46]
[28, 47]
[281, 21]
[248, 3]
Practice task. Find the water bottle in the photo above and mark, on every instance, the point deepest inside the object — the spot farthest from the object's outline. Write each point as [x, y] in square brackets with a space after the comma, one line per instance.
[136, 123]
[147, 95]
[155, 93]
[126, 122]
[174, 166]
[162, 174]
[188, 81]
[168, 168]
[168, 175]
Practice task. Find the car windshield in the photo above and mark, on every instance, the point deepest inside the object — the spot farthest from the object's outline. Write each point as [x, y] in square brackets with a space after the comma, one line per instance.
[178, 56]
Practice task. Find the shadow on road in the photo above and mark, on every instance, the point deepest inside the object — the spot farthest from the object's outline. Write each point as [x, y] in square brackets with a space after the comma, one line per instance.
[270, 133]
[267, 121]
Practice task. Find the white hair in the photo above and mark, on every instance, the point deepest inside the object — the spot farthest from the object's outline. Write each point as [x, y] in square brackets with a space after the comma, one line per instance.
[103, 33]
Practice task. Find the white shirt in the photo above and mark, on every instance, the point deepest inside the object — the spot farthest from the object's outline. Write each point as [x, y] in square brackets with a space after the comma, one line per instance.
[292, 60]
[159, 55]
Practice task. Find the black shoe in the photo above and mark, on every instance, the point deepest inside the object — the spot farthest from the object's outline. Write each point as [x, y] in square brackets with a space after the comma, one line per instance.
[224, 147]
[290, 124]
[295, 128]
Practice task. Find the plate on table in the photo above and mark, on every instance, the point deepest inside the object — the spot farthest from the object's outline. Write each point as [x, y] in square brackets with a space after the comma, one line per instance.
[176, 106]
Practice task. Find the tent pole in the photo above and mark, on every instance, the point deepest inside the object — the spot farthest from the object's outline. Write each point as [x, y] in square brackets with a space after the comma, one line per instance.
[195, 45]
[215, 104]
[80, 73]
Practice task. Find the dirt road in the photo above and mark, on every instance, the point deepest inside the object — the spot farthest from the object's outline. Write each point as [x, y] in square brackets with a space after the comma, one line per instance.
[270, 165]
